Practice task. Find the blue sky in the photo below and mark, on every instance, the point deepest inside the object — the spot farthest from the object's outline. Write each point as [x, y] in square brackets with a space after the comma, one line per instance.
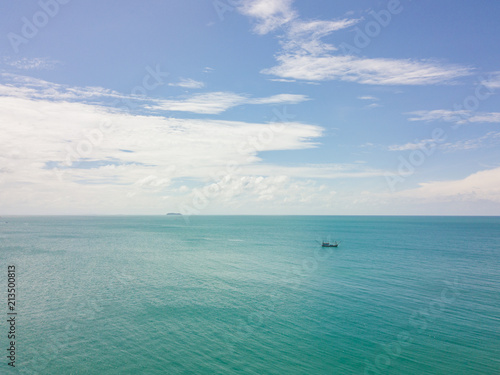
[250, 107]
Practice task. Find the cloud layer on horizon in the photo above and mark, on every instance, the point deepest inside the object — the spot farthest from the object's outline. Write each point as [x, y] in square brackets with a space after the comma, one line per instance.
[67, 152]
[479, 186]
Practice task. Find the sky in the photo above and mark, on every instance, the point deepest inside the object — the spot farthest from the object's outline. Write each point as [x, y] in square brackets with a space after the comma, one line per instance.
[276, 107]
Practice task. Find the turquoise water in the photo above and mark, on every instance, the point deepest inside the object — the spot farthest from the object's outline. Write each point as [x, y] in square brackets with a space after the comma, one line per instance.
[253, 295]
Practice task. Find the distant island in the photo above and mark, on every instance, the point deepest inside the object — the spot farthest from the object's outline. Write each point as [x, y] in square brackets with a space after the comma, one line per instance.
[173, 214]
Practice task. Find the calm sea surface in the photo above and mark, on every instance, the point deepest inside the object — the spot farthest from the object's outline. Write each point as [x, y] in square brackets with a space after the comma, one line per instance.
[252, 295]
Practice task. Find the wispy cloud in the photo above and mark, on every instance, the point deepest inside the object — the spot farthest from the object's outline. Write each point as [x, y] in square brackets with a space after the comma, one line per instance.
[282, 80]
[323, 171]
[305, 56]
[410, 146]
[206, 103]
[188, 83]
[279, 99]
[367, 97]
[493, 81]
[37, 63]
[374, 101]
[485, 117]
[268, 14]
[304, 37]
[29, 87]
[364, 70]
[490, 139]
[218, 102]
[457, 116]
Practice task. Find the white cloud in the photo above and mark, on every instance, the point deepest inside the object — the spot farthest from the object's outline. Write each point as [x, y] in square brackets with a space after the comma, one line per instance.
[363, 70]
[482, 185]
[206, 103]
[493, 81]
[367, 144]
[372, 99]
[37, 63]
[317, 29]
[490, 139]
[282, 80]
[440, 114]
[424, 143]
[61, 156]
[218, 102]
[304, 37]
[269, 14]
[323, 171]
[258, 194]
[28, 87]
[457, 116]
[485, 117]
[279, 99]
[305, 56]
[47, 129]
[188, 83]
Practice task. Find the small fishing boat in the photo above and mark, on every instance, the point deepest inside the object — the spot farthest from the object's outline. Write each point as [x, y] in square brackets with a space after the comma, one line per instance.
[330, 244]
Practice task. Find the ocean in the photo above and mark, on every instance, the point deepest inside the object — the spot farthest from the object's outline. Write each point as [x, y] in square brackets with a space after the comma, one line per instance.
[250, 295]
